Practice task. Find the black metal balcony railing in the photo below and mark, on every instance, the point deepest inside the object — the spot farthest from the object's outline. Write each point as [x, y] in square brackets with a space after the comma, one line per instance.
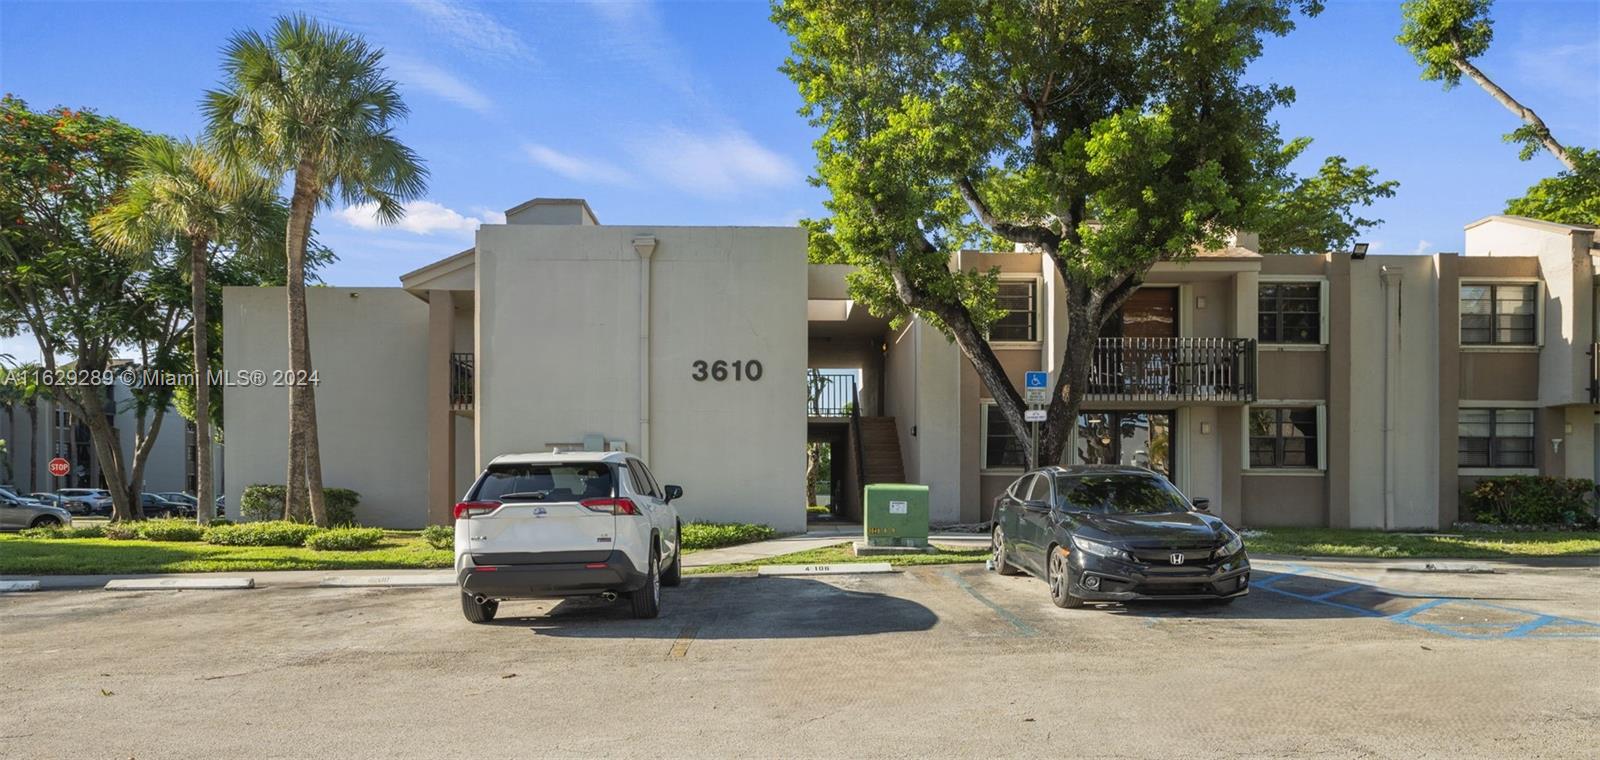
[830, 394]
[461, 381]
[1173, 369]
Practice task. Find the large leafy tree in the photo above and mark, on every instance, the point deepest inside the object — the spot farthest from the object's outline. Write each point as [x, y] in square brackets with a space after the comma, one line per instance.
[1108, 136]
[1445, 36]
[313, 104]
[81, 302]
[181, 192]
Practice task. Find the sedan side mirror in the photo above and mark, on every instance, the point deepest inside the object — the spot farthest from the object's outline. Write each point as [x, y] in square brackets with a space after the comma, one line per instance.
[1035, 504]
[674, 492]
[1202, 504]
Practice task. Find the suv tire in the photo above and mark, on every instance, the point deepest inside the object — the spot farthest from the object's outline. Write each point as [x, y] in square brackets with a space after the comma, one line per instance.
[45, 521]
[478, 613]
[672, 576]
[647, 599]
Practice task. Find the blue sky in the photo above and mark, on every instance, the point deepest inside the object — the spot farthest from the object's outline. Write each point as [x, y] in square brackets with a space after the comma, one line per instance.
[675, 113]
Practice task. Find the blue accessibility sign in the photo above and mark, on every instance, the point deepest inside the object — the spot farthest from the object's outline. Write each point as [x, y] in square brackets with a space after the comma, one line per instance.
[1038, 380]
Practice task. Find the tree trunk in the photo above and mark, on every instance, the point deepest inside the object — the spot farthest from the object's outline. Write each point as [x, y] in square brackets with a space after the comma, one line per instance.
[11, 443]
[813, 468]
[33, 443]
[203, 484]
[108, 448]
[305, 465]
[1522, 112]
[1072, 383]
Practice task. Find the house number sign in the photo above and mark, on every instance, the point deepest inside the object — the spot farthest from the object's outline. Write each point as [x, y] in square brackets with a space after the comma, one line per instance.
[721, 371]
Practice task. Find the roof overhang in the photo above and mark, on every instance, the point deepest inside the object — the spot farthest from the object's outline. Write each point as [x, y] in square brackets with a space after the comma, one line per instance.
[454, 273]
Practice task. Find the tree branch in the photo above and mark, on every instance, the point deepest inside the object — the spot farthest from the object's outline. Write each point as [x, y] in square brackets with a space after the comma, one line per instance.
[1016, 233]
[1522, 112]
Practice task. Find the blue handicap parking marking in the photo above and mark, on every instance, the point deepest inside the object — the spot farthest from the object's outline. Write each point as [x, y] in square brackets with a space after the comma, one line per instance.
[1447, 616]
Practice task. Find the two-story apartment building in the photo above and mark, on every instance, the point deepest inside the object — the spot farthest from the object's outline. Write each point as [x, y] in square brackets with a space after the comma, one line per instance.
[1290, 390]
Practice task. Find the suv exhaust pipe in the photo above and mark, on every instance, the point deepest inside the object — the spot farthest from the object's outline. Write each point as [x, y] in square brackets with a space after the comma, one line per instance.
[610, 596]
[480, 599]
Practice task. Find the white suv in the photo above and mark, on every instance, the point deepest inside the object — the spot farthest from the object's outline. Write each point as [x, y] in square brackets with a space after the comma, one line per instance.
[537, 526]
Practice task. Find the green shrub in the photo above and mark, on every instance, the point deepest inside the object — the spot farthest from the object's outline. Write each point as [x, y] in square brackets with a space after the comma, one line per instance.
[121, 531]
[268, 533]
[818, 510]
[85, 531]
[264, 501]
[440, 536]
[344, 539]
[168, 530]
[1532, 500]
[706, 535]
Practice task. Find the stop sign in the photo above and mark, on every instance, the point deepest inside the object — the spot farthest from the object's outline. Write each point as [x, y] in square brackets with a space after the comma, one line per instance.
[60, 467]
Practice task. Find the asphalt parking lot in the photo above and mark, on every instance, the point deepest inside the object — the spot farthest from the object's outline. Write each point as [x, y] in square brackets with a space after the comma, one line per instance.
[1321, 660]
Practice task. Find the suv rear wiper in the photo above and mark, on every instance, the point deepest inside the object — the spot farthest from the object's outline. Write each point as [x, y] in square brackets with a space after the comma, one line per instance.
[534, 495]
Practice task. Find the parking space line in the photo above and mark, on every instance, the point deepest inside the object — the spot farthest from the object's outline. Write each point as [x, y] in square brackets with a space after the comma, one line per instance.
[680, 648]
[1022, 626]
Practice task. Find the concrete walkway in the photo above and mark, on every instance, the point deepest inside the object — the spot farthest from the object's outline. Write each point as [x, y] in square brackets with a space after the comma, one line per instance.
[818, 536]
[274, 578]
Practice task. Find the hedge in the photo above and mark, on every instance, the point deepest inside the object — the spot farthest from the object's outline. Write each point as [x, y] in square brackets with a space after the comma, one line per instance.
[440, 536]
[264, 501]
[707, 535]
[1532, 500]
[344, 539]
[269, 533]
[168, 530]
[84, 531]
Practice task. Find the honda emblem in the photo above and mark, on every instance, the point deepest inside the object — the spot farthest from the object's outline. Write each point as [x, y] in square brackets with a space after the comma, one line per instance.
[1176, 558]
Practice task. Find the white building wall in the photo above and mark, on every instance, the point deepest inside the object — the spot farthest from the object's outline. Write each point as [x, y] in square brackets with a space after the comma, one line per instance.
[558, 336]
[368, 346]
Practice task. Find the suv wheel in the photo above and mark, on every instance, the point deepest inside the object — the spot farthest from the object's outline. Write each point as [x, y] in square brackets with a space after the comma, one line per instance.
[478, 613]
[673, 575]
[45, 521]
[1061, 581]
[647, 599]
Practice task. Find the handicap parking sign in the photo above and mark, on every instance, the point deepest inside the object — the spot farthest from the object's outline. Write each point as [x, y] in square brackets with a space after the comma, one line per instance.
[1038, 380]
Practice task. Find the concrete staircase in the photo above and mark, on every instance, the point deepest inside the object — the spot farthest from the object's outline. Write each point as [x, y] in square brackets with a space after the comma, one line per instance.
[880, 448]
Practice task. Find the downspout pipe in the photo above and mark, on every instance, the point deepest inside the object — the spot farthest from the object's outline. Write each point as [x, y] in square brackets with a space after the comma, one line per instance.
[1392, 356]
[645, 247]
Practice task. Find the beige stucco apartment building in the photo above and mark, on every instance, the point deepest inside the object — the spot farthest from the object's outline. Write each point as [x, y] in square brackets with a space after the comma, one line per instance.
[1290, 390]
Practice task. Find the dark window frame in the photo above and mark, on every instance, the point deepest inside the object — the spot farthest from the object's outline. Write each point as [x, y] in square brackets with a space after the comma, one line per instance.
[1496, 449]
[1493, 329]
[1011, 446]
[1279, 442]
[1001, 332]
[1275, 333]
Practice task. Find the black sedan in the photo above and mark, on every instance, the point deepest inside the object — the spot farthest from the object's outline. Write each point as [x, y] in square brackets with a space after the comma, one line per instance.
[1114, 534]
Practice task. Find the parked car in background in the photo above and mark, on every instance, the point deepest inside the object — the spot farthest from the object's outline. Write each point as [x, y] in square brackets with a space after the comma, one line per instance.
[566, 524]
[88, 501]
[16, 514]
[178, 497]
[12, 491]
[1108, 533]
[155, 506]
[45, 497]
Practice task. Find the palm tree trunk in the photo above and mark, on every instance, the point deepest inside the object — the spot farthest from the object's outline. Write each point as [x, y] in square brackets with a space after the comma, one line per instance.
[198, 255]
[1522, 112]
[305, 466]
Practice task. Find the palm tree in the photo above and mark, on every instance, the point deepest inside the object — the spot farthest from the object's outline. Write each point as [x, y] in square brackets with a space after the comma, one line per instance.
[181, 191]
[312, 103]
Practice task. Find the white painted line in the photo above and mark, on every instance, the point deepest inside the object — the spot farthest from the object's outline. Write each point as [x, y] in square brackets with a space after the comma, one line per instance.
[845, 568]
[367, 581]
[180, 584]
[8, 586]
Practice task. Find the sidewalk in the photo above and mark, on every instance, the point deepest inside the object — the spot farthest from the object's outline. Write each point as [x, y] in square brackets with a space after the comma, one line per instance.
[274, 578]
[820, 535]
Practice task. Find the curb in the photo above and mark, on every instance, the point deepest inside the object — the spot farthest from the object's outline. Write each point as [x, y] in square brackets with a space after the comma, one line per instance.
[388, 581]
[181, 584]
[18, 586]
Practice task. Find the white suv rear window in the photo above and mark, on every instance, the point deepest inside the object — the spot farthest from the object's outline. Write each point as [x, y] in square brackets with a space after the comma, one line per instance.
[546, 482]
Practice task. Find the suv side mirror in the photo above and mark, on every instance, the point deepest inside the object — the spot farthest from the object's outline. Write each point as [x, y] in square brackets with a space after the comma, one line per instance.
[1202, 504]
[674, 493]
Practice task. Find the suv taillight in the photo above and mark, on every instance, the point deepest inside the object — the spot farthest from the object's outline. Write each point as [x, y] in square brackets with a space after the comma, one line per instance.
[466, 509]
[611, 506]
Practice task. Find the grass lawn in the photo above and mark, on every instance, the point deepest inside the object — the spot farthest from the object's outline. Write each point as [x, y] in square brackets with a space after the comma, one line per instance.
[1319, 542]
[840, 553]
[94, 556]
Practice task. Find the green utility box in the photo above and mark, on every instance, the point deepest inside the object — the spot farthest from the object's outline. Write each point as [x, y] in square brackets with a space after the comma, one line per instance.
[896, 514]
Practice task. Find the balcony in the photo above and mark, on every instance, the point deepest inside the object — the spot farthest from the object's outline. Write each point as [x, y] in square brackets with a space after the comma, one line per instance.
[831, 394]
[461, 382]
[1173, 369]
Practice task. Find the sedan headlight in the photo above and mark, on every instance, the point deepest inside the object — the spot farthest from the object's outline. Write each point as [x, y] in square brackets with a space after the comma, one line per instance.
[1099, 549]
[1234, 546]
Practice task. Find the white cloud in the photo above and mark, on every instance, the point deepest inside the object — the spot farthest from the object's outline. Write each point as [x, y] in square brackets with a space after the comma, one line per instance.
[472, 30]
[422, 218]
[1423, 246]
[432, 79]
[719, 164]
[576, 167]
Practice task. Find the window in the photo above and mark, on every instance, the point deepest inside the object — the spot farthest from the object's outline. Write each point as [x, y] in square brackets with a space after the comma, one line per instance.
[1040, 490]
[1499, 314]
[1495, 438]
[1001, 449]
[1018, 298]
[545, 482]
[1290, 312]
[643, 483]
[1283, 438]
[1119, 494]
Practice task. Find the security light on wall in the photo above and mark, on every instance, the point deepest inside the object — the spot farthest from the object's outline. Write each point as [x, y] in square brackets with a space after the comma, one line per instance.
[1360, 251]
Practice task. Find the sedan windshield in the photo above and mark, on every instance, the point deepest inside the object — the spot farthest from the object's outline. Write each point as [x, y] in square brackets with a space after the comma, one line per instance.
[546, 482]
[1118, 495]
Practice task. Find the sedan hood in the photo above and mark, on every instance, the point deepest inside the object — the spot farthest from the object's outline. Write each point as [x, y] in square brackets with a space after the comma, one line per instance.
[1158, 528]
